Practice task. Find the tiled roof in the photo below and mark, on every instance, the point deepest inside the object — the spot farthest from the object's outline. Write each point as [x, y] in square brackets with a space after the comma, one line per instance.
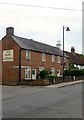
[37, 46]
[75, 58]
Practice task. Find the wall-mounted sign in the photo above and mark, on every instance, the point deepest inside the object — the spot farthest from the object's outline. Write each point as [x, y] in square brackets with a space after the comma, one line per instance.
[8, 55]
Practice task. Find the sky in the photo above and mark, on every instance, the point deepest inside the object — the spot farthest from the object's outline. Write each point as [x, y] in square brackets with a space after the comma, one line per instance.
[44, 23]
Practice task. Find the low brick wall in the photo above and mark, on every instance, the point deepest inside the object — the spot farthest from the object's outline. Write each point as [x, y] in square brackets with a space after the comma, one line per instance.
[69, 78]
[10, 82]
[42, 82]
[35, 82]
[59, 80]
[79, 78]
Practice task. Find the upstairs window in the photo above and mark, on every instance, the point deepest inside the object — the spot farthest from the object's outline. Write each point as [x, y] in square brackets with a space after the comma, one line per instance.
[28, 54]
[58, 59]
[53, 58]
[43, 57]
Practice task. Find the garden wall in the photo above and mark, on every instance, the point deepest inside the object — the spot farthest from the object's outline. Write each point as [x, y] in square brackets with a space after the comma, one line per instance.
[35, 82]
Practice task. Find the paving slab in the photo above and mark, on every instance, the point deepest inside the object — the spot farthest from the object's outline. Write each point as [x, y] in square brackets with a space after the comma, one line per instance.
[65, 84]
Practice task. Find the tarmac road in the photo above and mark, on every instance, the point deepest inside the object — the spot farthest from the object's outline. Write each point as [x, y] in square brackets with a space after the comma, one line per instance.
[42, 102]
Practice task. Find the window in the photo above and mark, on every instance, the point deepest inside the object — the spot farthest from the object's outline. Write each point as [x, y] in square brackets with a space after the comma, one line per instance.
[28, 72]
[58, 72]
[58, 59]
[28, 54]
[41, 68]
[53, 71]
[43, 57]
[34, 74]
[53, 58]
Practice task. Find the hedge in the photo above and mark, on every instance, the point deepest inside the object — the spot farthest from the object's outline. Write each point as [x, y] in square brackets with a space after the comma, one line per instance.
[74, 72]
[50, 77]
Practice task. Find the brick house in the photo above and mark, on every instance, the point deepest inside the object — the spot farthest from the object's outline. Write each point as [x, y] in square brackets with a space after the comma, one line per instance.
[23, 58]
[75, 58]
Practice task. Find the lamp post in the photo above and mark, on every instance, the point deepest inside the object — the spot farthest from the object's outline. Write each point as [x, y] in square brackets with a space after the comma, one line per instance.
[67, 29]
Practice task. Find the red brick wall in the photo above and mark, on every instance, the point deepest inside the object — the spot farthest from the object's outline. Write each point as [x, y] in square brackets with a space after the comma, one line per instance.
[36, 61]
[10, 74]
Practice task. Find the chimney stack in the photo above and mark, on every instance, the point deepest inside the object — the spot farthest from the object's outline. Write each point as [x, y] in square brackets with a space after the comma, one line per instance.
[58, 45]
[72, 50]
[9, 31]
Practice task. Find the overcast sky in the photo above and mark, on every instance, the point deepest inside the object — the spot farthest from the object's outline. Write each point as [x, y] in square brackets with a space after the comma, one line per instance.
[44, 24]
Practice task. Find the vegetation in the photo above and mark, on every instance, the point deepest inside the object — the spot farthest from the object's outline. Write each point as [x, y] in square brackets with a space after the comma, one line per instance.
[72, 67]
[82, 55]
[43, 74]
[50, 77]
[74, 72]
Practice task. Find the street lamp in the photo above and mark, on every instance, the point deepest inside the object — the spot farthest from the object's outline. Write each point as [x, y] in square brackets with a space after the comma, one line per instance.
[67, 29]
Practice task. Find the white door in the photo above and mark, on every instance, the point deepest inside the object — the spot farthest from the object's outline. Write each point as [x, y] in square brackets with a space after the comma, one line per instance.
[33, 74]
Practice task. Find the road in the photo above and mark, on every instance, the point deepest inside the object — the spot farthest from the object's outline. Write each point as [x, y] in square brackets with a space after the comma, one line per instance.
[42, 102]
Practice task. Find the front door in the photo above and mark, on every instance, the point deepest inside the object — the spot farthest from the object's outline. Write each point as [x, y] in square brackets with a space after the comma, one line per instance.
[33, 74]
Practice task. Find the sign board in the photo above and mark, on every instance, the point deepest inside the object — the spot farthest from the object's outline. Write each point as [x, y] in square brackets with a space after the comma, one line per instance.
[7, 55]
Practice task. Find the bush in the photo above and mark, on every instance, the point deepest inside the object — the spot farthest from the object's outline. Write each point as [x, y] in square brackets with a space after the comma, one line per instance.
[50, 77]
[74, 72]
[43, 74]
[67, 72]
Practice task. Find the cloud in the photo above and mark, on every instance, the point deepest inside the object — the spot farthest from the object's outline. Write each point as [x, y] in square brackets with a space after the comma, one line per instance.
[44, 25]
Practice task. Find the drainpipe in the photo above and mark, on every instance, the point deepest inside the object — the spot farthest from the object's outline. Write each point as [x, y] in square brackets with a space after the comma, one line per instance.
[19, 66]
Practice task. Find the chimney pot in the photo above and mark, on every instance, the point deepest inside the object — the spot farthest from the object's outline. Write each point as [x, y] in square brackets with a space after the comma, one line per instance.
[72, 50]
[10, 31]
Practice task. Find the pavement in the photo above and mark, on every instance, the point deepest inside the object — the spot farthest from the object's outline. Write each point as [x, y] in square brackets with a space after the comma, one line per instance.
[59, 85]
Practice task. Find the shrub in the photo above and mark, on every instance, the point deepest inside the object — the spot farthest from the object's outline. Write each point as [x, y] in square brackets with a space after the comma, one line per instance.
[67, 72]
[43, 74]
[82, 71]
[74, 72]
[50, 77]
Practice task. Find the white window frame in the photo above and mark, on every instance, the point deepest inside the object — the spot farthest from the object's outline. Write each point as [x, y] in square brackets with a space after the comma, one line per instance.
[53, 71]
[28, 54]
[41, 68]
[58, 59]
[53, 58]
[34, 75]
[28, 69]
[43, 57]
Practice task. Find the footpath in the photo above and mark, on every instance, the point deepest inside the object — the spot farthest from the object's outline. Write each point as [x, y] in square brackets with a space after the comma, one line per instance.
[59, 85]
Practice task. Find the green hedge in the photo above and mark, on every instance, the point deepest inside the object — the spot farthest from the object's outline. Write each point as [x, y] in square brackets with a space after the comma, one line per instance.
[43, 74]
[50, 77]
[74, 72]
